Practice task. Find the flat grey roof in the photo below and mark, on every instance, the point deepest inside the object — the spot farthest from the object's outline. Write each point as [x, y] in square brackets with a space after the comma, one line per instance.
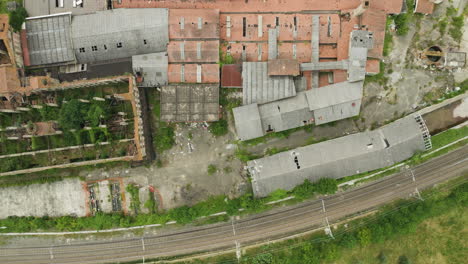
[260, 88]
[337, 158]
[119, 33]
[334, 94]
[251, 126]
[49, 39]
[190, 103]
[152, 67]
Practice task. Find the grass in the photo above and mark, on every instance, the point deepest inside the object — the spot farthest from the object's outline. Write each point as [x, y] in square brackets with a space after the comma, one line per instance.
[442, 239]
[379, 77]
[448, 136]
[429, 231]
[388, 40]
[164, 138]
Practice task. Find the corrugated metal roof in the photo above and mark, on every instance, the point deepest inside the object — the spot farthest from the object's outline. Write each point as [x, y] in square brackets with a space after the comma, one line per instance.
[49, 39]
[260, 88]
[337, 158]
[120, 33]
[152, 67]
[231, 76]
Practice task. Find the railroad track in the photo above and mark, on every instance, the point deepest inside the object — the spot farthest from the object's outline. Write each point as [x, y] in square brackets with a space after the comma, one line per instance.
[276, 223]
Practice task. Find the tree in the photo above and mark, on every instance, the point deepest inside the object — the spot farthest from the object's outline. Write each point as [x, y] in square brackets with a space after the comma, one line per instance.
[17, 18]
[95, 113]
[72, 115]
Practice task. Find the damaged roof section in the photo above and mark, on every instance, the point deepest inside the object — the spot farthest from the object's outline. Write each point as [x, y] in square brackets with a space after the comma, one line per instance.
[283, 68]
[337, 158]
[190, 103]
[152, 68]
[49, 39]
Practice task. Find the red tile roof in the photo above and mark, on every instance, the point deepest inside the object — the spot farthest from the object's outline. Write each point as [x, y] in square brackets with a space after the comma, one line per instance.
[245, 6]
[209, 51]
[190, 29]
[231, 76]
[424, 7]
[373, 66]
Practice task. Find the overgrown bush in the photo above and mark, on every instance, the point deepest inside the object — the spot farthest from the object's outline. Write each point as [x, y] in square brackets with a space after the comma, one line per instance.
[212, 169]
[219, 128]
[17, 18]
[134, 192]
[72, 115]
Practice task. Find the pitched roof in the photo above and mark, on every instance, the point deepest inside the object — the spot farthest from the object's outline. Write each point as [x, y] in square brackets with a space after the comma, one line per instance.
[121, 33]
[337, 158]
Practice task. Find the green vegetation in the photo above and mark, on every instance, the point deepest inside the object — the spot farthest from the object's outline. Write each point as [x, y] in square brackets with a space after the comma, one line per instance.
[403, 232]
[403, 20]
[219, 128]
[388, 40]
[224, 58]
[244, 155]
[448, 136]
[212, 169]
[456, 28]
[150, 204]
[456, 23]
[164, 138]
[379, 77]
[134, 192]
[17, 18]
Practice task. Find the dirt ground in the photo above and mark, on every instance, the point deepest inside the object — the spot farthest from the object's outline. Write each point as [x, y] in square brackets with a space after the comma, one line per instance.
[447, 116]
[183, 178]
[411, 82]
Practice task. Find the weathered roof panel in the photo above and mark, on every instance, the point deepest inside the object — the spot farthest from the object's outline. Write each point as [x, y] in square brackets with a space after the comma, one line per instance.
[152, 67]
[260, 88]
[49, 39]
[121, 33]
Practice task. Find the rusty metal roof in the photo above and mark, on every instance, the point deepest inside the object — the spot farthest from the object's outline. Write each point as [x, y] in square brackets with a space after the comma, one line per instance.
[283, 68]
[231, 75]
